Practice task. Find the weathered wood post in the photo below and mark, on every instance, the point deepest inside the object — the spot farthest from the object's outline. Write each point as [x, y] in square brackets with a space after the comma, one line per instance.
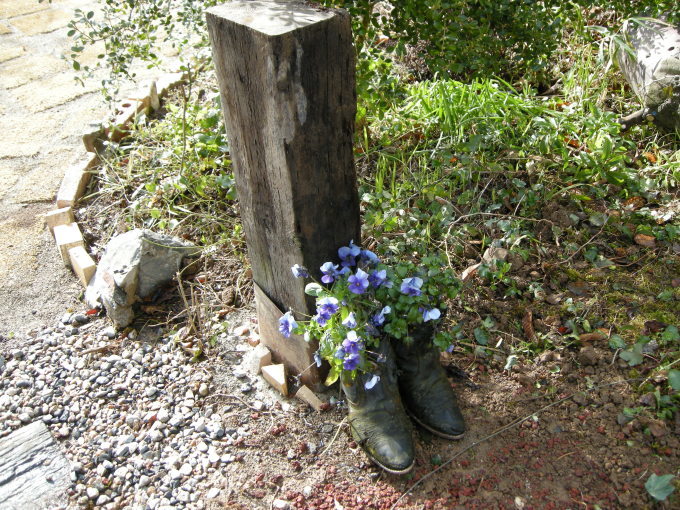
[286, 77]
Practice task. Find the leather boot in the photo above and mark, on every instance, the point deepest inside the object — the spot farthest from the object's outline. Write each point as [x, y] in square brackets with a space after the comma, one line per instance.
[377, 418]
[424, 387]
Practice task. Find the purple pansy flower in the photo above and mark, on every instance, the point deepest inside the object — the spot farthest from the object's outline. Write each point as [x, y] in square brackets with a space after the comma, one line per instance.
[411, 286]
[358, 283]
[299, 271]
[330, 272]
[379, 318]
[350, 321]
[378, 278]
[348, 254]
[431, 314]
[329, 305]
[450, 348]
[287, 324]
[369, 258]
[351, 349]
[317, 359]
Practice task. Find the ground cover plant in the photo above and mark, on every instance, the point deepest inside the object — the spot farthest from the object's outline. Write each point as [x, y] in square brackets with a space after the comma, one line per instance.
[563, 228]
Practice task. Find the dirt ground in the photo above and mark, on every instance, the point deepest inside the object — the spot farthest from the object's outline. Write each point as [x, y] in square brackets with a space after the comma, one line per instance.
[577, 453]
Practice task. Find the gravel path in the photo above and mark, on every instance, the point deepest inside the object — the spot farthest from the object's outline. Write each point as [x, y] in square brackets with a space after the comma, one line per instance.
[136, 419]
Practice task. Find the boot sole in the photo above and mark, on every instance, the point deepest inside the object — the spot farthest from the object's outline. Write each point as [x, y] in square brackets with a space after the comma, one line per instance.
[435, 432]
[390, 470]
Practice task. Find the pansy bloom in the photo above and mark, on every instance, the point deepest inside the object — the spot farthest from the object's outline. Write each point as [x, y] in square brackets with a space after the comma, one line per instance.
[358, 282]
[411, 286]
[287, 324]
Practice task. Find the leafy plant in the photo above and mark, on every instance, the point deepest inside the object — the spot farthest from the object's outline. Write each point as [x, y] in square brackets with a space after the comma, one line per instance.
[366, 300]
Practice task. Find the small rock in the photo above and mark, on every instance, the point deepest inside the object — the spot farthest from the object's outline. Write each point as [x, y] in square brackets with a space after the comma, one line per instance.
[92, 492]
[203, 390]
[246, 388]
[213, 493]
[163, 415]
[242, 331]
[186, 470]
[109, 332]
[151, 391]
[102, 500]
[175, 474]
[280, 504]
[307, 491]
[581, 399]
[587, 356]
[144, 480]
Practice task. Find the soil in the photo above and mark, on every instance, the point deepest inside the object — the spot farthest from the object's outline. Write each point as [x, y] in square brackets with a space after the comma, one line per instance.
[572, 455]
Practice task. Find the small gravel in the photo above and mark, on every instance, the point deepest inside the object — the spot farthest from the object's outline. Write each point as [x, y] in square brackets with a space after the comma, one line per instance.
[136, 423]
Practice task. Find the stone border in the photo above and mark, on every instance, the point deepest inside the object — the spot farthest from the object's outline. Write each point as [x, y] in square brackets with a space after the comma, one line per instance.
[61, 222]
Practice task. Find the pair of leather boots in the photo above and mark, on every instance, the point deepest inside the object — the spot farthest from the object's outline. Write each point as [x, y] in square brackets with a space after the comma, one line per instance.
[411, 380]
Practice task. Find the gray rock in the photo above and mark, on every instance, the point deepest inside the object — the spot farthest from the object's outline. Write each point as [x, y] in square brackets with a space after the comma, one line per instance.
[134, 266]
[654, 70]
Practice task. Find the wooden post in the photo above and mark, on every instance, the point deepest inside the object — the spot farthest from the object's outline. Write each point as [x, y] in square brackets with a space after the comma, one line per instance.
[286, 77]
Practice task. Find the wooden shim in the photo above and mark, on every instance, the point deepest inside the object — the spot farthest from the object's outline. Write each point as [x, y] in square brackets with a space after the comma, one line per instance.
[286, 75]
[297, 354]
[33, 471]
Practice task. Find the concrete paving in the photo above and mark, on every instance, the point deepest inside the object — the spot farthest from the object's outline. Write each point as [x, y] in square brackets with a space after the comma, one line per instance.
[43, 113]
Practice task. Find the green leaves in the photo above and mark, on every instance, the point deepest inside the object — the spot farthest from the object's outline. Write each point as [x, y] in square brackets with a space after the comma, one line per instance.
[633, 356]
[674, 379]
[659, 487]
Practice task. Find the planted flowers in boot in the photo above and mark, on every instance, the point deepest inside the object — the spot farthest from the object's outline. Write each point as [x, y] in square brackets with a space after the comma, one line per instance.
[360, 304]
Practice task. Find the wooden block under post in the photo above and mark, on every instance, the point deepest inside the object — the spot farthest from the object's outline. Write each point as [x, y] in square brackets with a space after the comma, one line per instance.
[293, 351]
[83, 265]
[276, 376]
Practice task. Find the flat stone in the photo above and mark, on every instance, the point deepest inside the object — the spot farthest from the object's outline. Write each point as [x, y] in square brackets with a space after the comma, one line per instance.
[49, 92]
[29, 69]
[35, 474]
[13, 8]
[42, 22]
[309, 397]
[11, 53]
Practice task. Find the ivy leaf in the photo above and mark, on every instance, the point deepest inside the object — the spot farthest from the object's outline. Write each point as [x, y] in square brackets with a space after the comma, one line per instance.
[616, 342]
[481, 336]
[674, 379]
[633, 356]
[671, 334]
[659, 487]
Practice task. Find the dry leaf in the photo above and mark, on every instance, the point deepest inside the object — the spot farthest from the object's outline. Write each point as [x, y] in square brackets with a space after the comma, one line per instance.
[594, 336]
[645, 240]
[528, 325]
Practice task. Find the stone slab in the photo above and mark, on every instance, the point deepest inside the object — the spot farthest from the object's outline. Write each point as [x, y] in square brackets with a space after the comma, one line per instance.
[27, 70]
[49, 92]
[75, 182]
[42, 22]
[61, 216]
[310, 398]
[10, 53]
[67, 237]
[13, 8]
[34, 474]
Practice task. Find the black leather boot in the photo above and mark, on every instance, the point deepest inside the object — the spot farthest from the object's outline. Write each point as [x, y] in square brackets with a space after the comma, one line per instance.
[424, 387]
[377, 418]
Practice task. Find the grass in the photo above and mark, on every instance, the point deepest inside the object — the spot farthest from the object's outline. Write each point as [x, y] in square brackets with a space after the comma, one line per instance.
[456, 168]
